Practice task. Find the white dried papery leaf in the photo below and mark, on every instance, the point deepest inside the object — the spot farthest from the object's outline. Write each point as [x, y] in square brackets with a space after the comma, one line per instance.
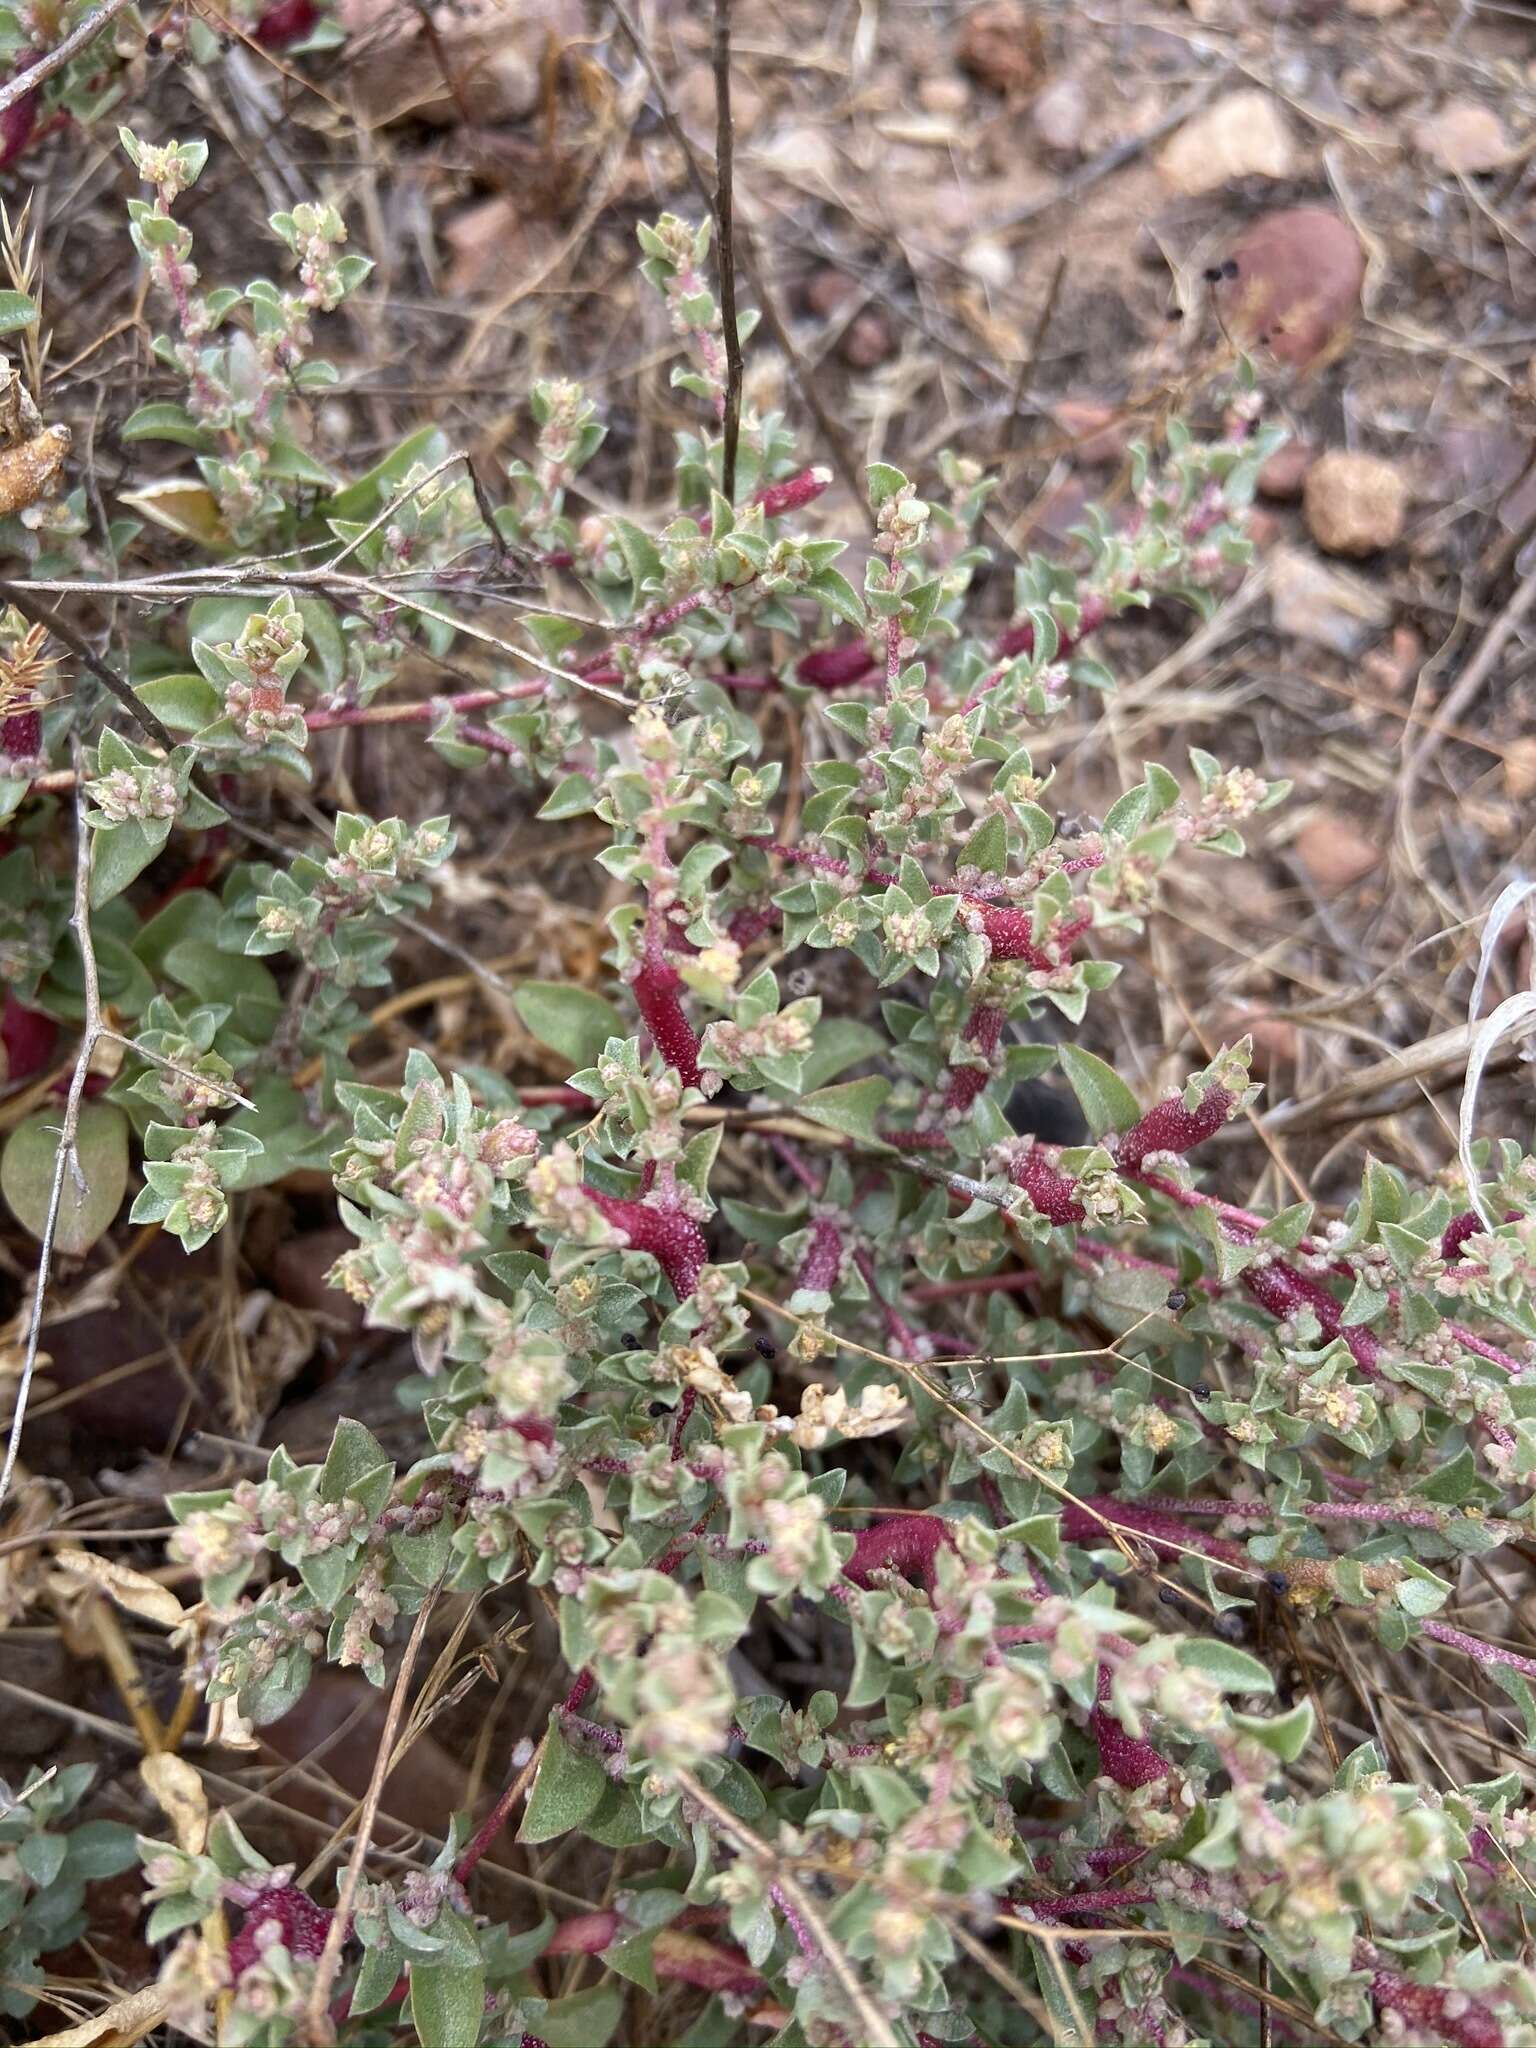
[227, 1727]
[1508, 900]
[1515, 1013]
[178, 1791]
[23, 1570]
[135, 1591]
[1507, 1017]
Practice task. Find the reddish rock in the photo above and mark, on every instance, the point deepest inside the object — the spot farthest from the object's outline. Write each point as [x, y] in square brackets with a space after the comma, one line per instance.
[338, 1725]
[27, 1040]
[1276, 1040]
[1292, 284]
[867, 339]
[1095, 429]
[1336, 851]
[1282, 476]
[1001, 46]
[298, 1268]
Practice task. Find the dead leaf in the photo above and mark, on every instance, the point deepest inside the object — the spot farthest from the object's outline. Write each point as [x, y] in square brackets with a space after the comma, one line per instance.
[29, 469]
[136, 1591]
[21, 1570]
[227, 1727]
[119, 2025]
[183, 507]
[179, 1792]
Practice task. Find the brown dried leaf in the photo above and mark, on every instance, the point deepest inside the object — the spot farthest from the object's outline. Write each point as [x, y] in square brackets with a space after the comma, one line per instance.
[178, 1791]
[28, 470]
[133, 1590]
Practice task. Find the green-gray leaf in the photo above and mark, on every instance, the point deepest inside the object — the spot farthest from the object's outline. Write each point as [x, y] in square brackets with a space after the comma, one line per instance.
[567, 1788]
[574, 1021]
[1107, 1104]
[447, 2003]
[87, 1204]
[851, 1107]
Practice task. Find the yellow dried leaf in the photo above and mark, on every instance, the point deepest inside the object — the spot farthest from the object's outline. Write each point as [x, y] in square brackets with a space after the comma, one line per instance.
[179, 1792]
[136, 1591]
[29, 469]
[119, 2025]
[181, 505]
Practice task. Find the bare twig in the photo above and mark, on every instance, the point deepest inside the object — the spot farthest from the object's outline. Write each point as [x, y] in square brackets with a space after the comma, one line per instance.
[1467, 685]
[156, 1059]
[1026, 374]
[1107, 161]
[725, 145]
[876, 2030]
[66, 1162]
[832, 435]
[27, 604]
[29, 80]
[318, 2026]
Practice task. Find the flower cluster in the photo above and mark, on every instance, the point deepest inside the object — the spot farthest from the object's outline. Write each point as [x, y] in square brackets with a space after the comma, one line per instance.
[766, 1339]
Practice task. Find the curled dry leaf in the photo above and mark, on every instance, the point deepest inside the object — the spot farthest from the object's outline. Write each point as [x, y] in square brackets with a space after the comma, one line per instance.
[178, 1790]
[119, 2025]
[21, 1569]
[135, 1591]
[29, 470]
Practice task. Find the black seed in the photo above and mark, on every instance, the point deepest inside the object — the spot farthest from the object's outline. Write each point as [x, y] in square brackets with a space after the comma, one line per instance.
[1213, 274]
[764, 1348]
[657, 1408]
[630, 1341]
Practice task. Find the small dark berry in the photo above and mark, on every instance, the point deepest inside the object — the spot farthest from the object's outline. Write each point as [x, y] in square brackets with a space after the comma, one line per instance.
[1201, 1391]
[764, 1349]
[630, 1341]
[1177, 1300]
[1169, 1597]
[657, 1408]
[1277, 1582]
[1229, 268]
[1212, 274]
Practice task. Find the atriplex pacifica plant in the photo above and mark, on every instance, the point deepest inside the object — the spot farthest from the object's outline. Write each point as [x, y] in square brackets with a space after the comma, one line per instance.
[1031, 1808]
